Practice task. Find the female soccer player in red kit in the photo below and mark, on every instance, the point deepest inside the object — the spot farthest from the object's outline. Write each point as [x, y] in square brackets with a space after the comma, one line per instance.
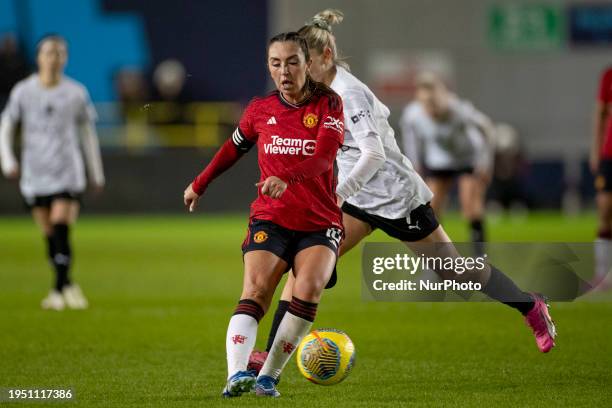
[294, 222]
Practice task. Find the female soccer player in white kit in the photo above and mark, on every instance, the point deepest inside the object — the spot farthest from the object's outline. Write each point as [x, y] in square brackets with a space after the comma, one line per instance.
[57, 118]
[378, 188]
[447, 138]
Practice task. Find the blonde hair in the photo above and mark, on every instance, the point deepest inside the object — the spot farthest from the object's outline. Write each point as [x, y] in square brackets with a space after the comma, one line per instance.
[318, 33]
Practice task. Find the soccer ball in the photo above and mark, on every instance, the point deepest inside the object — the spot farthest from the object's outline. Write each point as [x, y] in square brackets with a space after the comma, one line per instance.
[326, 356]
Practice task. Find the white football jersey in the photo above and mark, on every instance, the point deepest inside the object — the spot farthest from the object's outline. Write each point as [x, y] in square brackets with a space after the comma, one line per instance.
[395, 189]
[51, 159]
[454, 143]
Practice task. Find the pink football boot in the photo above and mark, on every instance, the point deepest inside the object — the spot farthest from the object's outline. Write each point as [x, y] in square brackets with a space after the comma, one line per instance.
[541, 323]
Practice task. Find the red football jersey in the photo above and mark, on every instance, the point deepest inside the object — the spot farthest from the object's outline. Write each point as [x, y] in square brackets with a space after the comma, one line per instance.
[605, 97]
[286, 135]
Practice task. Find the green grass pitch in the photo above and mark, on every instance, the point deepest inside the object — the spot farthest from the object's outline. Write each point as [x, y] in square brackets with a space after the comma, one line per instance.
[163, 288]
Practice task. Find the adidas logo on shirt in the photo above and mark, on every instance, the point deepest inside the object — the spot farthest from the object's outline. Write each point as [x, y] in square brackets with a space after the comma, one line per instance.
[272, 120]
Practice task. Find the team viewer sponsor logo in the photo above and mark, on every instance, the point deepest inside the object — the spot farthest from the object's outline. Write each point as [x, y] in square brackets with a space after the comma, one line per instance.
[290, 146]
[333, 123]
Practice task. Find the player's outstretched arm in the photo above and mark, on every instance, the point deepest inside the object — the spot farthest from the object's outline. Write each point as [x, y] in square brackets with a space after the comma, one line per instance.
[229, 153]
[10, 166]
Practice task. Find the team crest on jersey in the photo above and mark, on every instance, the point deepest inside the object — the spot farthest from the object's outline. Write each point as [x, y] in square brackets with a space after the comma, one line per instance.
[310, 120]
[260, 236]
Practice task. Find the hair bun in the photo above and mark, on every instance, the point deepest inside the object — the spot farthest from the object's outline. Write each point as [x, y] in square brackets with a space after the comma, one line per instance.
[326, 18]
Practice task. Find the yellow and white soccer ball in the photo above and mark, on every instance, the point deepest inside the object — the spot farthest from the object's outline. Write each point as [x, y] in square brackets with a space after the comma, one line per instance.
[326, 356]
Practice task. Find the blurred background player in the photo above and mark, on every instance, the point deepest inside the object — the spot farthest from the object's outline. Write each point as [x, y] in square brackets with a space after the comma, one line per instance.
[447, 139]
[507, 191]
[378, 187]
[56, 117]
[294, 222]
[601, 166]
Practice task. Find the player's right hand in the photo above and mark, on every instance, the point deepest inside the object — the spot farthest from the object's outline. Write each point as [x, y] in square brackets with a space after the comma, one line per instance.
[190, 198]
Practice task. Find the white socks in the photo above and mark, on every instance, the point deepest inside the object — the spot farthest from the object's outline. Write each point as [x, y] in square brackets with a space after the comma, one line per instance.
[241, 335]
[240, 340]
[291, 331]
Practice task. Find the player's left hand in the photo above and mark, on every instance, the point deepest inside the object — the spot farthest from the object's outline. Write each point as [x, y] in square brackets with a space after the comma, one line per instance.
[272, 186]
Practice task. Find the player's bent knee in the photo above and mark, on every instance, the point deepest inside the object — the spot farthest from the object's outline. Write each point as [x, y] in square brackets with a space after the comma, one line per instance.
[310, 290]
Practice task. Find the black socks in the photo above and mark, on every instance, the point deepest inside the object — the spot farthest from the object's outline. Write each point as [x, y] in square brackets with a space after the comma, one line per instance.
[282, 308]
[60, 254]
[477, 235]
[501, 288]
[50, 248]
